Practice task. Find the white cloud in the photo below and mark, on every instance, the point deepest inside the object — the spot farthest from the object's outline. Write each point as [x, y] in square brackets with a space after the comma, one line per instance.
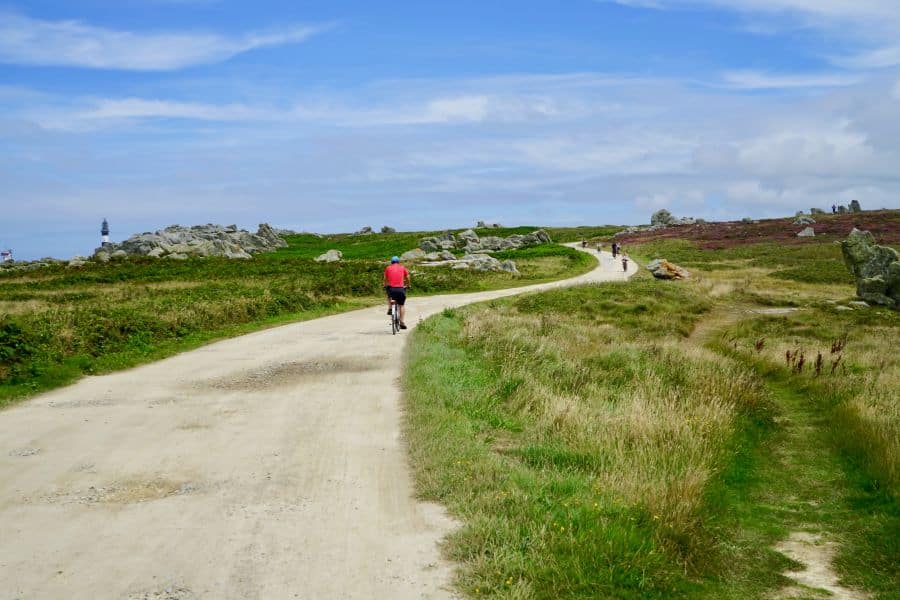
[575, 148]
[28, 41]
[463, 108]
[873, 25]
[759, 80]
[879, 58]
[824, 151]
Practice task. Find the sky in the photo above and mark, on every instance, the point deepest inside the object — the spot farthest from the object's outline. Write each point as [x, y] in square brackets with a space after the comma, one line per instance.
[329, 115]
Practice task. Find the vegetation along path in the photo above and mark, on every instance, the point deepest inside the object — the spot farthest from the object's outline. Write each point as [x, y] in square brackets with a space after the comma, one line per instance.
[265, 466]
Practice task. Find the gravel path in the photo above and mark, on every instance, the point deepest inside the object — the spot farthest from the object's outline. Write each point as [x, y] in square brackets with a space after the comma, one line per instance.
[266, 466]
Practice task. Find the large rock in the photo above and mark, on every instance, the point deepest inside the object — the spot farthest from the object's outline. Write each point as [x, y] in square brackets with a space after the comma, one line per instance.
[804, 220]
[875, 268]
[442, 255]
[198, 241]
[808, 232]
[509, 266]
[364, 231]
[430, 244]
[662, 217]
[330, 256]
[854, 206]
[468, 236]
[482, 262]
[387, 229]
[663, 269]
[412, 255]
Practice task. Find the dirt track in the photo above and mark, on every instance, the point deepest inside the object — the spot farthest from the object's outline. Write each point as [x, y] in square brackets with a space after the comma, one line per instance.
[266, 466]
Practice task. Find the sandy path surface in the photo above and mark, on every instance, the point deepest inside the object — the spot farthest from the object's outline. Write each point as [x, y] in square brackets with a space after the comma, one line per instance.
[266, 466]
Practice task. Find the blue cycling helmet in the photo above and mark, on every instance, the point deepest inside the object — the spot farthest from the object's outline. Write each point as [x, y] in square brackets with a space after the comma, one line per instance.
[395, 259]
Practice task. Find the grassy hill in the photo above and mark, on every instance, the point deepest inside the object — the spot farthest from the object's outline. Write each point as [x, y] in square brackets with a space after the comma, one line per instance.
[661, 439]
[58, 323]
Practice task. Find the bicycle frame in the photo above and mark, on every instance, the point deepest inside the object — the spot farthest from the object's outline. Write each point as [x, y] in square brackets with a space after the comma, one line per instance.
[395, 317]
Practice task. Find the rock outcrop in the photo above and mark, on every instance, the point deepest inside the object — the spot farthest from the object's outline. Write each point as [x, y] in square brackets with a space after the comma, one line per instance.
[387, 229]
[475, 262]
[662, 217]
[808, 232]
[875, 268]
[330, 256]
[364, 231]
[413, 255]
[469, 242]
[178, 242]
[804, 220]
[663, 269]
[855, 207]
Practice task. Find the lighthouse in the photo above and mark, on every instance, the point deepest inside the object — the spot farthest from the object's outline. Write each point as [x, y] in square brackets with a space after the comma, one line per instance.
[104, 233]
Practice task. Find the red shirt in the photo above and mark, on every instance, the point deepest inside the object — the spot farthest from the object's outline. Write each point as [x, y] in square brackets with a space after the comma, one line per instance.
[395, 275]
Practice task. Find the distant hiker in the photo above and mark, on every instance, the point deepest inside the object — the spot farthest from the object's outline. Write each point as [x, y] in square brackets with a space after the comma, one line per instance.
[615, 249]
[598, 247]
[584, 243]
[625, 263]
[833, 209]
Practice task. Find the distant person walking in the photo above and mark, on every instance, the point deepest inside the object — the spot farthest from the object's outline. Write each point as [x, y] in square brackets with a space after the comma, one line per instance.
[584, 243]
[615, 249]
[833, 209]
[624, 263]
[599, 247]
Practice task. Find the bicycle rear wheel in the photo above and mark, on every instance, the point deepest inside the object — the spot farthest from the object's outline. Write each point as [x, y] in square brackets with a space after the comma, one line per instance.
[395, 320]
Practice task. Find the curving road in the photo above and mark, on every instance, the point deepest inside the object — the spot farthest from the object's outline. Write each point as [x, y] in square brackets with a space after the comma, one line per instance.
[267, 466]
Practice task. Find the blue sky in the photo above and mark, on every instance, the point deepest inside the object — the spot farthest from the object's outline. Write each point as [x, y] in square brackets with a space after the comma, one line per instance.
[331, 115]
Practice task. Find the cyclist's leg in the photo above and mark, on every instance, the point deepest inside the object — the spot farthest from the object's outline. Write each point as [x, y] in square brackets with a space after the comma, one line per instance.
[401, 300]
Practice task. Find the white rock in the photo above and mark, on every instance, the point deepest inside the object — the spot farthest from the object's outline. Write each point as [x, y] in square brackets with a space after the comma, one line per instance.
[330, 256]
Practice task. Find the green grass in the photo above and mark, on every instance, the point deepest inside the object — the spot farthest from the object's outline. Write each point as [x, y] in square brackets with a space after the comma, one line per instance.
[810, 263]
[648, 440]
[579, 450]
[58, 323]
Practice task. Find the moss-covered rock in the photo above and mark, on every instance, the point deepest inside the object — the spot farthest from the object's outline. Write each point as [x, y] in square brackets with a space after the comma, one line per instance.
[876, 268]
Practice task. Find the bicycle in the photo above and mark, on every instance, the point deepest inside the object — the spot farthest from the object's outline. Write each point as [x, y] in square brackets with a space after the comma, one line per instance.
[395, 317]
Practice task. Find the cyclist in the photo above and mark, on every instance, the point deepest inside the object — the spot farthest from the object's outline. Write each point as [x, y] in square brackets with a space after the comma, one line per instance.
[395, 281]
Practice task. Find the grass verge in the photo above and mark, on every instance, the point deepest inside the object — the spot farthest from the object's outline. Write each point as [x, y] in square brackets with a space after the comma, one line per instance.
[582, 454]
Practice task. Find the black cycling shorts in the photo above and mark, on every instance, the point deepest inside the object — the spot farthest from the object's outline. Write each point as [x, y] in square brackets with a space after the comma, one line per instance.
[397, 294]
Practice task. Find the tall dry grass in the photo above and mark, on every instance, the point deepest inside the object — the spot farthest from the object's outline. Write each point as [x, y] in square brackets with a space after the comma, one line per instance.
[653, 418]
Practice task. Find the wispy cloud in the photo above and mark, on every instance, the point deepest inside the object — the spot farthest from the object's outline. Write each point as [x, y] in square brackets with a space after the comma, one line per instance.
[28, 41]
[760, 80]
[879, 58]
[85, 114]
[872, 24]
